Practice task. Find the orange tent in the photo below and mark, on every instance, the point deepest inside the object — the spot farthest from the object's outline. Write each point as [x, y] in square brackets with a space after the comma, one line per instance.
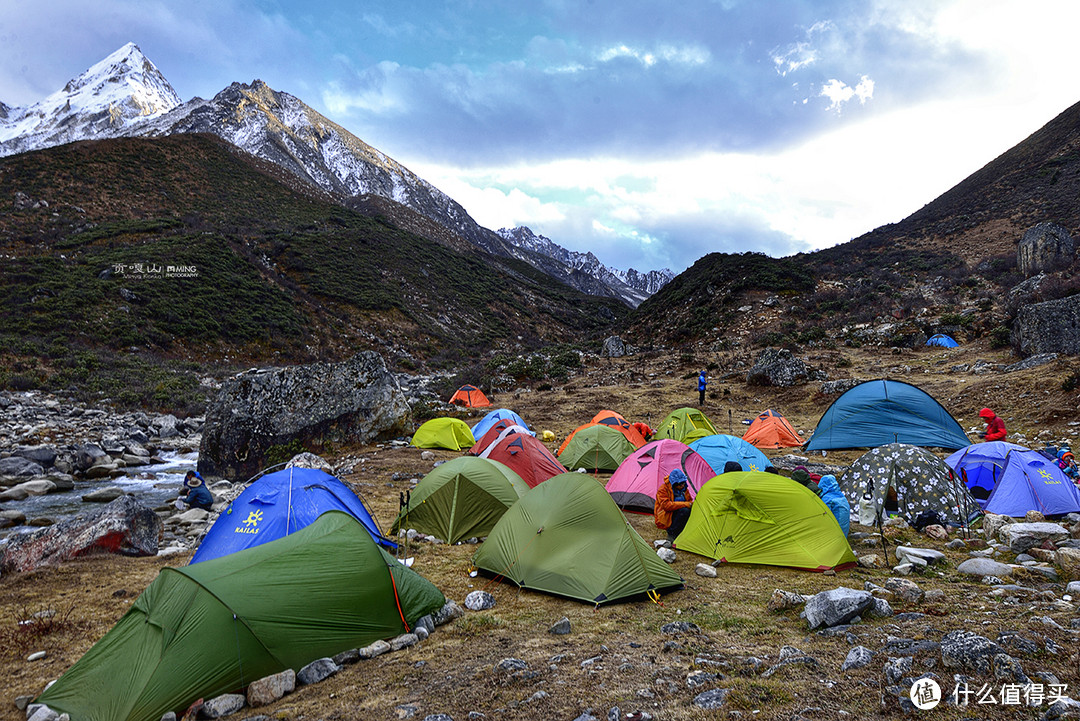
[772, 430]
[470, 397]
[613, 420]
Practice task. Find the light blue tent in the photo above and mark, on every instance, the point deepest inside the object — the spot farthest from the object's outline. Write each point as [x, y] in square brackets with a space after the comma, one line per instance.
[1032, 482]
[942, 340]
[720, 448]
[279, 504]
[980, 465]
[494, 417]
[878, 412]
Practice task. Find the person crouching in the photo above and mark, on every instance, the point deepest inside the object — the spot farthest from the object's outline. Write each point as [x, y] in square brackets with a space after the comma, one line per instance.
[673, 503]
[196, 495]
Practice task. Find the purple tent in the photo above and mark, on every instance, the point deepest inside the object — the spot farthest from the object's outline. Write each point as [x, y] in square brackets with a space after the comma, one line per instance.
[1029, 481]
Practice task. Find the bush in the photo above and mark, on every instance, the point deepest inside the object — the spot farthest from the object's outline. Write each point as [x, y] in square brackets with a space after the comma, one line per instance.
[999, 337]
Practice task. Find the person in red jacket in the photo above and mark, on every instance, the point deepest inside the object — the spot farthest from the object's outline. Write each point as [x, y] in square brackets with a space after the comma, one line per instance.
[995, 427]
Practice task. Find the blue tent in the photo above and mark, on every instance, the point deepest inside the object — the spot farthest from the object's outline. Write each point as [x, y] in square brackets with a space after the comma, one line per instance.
[942, 340]
[980, 465]
[494, 417]
[1031, 482]
[720, 448]
[279, 504]
[878, 412]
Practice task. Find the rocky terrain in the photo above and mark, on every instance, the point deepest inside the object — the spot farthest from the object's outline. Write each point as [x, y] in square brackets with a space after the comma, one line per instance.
[989, 612]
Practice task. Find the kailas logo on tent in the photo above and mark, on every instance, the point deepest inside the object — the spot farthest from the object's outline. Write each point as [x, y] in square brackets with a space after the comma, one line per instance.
[1047, 477]
[250, 523]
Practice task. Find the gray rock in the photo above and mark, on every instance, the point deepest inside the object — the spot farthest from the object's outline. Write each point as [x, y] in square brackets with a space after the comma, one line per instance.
[667, 555]
[479, 601]
[926, 555]
[104, 495]
[706, 570]
[352, 655]
[40, 712]
[897, 668]
[696, 679]
[880, 609]
[403, 641]
[613, 347]
[835, 607]
[904, 589]
[316, 671]
[356, 401]
[968, 651]
[781, 600]
[438, 717]
[223, 705]
[676, 628]
[448, 613]
[19, 467]
[1045, 247]
[711, 700]
[777, 367]
[1033, 362]
[511, 665]
[983, 567]
[561, 627]
[1022, 536]
[857, 657]
[271, 688]
[44, 456]
[426, 622]
[378, 648]
[1007, 668]
[1048, 327]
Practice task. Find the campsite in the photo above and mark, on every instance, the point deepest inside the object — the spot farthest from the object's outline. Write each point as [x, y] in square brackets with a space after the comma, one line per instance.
[637, 655]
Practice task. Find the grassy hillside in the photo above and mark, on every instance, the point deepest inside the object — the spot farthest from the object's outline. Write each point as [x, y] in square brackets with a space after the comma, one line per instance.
[270, 272]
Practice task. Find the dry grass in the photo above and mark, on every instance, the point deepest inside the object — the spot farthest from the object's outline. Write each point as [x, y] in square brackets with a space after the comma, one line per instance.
[452, 672]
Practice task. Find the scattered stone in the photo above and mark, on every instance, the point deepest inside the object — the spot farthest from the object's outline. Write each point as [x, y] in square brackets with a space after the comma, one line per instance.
[271, 688]
[835, 607]
[403, 641]
[897, 668]
[881, 608]
[447, 613]
[983, 567]
[561, 627]
[926, 555]
[905, 590]
[378, 648]
[857, 657]
[103, 495]
[679, 627]
[1022, 536]
[511, 664]
[479, 601]
[696, 679]
[782, 600]
[316, 671]
[667, 555]
[706, 570]
[36, 656]
[223, 705]
[968, 651]
[711, 700]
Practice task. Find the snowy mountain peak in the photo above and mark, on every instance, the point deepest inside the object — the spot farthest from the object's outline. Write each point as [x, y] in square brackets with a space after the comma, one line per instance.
[112, 95]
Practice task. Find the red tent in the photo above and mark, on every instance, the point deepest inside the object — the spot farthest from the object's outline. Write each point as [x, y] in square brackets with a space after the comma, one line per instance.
[527, 457]
[495, 434]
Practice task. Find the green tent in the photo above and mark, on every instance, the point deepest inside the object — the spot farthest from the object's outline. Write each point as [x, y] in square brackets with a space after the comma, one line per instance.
[756, 517]
[566, 536]
[685, 425]
[461, 498]
[450, 433]
[596, 448]
[203, 630]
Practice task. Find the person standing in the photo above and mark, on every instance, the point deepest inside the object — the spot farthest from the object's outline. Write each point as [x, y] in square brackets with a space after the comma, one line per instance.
[701, 383]
[995, 427]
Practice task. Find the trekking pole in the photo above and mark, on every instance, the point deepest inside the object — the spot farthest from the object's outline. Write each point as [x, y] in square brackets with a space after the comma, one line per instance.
[730, 423]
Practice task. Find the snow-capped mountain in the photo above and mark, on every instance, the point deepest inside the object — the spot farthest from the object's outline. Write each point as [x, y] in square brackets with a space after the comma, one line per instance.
[640, 285]
[109, 99]
[125, 95]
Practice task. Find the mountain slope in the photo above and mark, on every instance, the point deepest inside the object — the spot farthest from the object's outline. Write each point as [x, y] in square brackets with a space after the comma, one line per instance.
[267, 274]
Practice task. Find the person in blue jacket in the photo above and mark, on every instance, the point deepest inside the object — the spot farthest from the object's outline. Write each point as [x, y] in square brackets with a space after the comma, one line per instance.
[197, 495]
[836, 501]
[701, 383]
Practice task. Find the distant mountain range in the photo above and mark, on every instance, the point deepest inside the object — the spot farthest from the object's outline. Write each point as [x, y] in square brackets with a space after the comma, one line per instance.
[125, 95]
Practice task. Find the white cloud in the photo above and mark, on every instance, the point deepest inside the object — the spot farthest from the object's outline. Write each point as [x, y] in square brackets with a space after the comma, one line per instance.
[673, 54]
[839, 93]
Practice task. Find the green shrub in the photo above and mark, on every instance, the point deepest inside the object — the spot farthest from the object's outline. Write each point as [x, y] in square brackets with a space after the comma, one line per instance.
[1000, 337]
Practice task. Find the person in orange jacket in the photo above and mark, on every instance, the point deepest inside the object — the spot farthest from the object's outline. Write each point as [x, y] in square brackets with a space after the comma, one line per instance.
[673, 503]
[644, 429]
[995, 427]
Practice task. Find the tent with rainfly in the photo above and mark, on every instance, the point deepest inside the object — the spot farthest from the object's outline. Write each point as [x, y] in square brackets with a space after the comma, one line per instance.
[718, 449]
[494, 417]
[755, 517]
[527, 457]
[772, 430]
[279, 504]
[634, 483]
[685, 425]
[922, 481]
[1031, 482]
[450, 433]
[608, 419]
[596, 447]
[567, 537]
[980, 465]
[210, 628]
[501, 429]
[470, 396]
[875, 413]
[461, 498]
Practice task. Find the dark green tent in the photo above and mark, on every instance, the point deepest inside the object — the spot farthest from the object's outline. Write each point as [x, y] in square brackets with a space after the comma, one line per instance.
[461, 498]
[596, 448]
[211, 628]
[566, 536]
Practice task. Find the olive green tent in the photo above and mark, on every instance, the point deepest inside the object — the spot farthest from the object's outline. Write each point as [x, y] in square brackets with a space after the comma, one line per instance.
[450, 433]
[596, 448]
[685, 425]
[756, 517]
[566, 536]
[213, 627]
[461, 498]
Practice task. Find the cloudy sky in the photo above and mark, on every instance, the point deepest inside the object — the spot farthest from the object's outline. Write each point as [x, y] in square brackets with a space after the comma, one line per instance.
[650, 132]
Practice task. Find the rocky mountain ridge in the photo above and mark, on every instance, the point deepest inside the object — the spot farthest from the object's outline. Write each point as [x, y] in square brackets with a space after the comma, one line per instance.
[125, 95]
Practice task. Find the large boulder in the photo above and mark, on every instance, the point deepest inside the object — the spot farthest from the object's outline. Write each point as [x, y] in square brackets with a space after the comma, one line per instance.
[1045, 247]
[1049, 327]
[777, 367]
[356, 401]
[613, 347]
[19, 467]
[123, 526]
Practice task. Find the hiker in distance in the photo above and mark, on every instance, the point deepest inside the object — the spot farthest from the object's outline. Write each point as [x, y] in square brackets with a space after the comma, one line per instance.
[673, 502]
[995, 427]
[701, 383]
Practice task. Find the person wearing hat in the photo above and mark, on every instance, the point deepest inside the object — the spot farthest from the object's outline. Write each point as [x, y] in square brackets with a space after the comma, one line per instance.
[673, 502]
[1067, 463]
[837, 502]
[196, 494]
[995, 427]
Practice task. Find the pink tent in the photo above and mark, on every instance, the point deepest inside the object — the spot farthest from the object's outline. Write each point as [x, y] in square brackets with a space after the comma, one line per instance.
[633, 484]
